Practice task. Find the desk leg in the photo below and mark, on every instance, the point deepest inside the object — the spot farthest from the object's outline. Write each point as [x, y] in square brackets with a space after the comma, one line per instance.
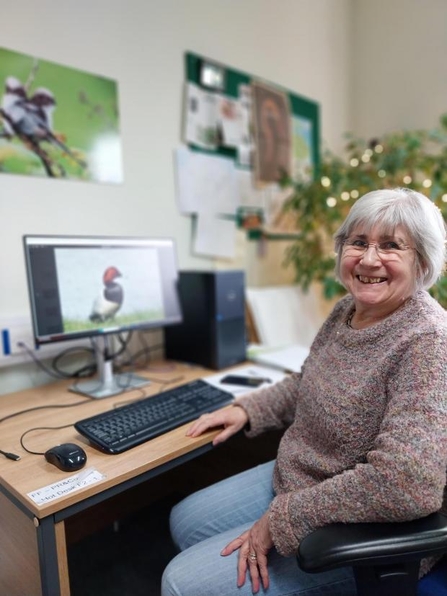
[53, 557]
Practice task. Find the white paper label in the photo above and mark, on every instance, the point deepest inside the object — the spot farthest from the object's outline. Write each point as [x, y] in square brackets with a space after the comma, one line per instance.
[65, 486]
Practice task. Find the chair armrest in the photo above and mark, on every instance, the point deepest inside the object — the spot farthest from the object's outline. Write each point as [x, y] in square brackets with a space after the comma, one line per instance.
[339, 545]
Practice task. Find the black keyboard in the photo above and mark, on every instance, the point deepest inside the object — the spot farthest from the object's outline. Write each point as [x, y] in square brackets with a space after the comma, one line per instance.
[125, 427]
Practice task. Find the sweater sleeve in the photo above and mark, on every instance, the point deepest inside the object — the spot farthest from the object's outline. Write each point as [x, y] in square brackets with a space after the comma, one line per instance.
[404, 473]
[272, 408]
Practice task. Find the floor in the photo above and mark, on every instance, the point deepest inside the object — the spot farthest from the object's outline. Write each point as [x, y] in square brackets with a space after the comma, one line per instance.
[127, 557]
[124, 559]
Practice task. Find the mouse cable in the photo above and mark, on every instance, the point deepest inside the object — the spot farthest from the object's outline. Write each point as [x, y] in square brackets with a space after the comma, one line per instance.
[40, 364]
[124, 344]
[16, 457]
[57, 373]
[10, 455]
[87, 370]
[39, 428]
[14, 414]
[146, 352]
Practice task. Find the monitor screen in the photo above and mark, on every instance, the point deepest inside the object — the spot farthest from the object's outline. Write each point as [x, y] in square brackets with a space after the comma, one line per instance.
[83, 286]
[92, 286]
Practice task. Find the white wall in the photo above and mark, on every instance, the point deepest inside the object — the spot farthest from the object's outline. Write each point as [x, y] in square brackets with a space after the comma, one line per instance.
[399, 68]
[301, 44]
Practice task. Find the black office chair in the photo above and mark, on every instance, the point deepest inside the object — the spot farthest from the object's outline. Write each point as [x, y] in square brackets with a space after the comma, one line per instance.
[385, 556]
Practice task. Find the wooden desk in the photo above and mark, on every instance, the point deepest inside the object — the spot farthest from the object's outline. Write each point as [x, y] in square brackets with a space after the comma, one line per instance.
[33, 548]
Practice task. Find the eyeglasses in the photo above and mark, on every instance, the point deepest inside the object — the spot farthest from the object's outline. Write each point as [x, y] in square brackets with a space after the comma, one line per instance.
[387, 249]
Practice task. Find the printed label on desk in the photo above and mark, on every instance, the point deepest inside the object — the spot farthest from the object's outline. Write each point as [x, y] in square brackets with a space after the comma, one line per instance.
[65, 486]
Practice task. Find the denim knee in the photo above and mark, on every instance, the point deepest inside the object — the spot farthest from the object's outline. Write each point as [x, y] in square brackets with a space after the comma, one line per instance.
[169, 581]
[174, 516]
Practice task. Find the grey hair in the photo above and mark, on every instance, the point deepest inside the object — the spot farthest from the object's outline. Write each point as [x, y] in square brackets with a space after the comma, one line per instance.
[419, 217]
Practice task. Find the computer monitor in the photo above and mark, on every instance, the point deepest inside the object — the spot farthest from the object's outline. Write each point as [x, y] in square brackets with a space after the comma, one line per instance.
[94, 286]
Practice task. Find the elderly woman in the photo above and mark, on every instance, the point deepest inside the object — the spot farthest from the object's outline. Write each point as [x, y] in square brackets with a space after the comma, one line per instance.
[365, 420]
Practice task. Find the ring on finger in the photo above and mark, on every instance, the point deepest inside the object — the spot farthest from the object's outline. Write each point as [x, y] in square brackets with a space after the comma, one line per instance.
[252, 557]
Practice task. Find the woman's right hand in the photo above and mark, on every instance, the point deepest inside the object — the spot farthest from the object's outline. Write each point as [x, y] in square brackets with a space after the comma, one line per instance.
[232, 419]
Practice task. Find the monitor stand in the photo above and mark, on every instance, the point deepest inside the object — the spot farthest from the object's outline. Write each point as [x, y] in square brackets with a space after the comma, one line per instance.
[107, 382]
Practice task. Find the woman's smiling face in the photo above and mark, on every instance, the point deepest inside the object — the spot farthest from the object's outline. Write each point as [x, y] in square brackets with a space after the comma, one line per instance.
[378, 280]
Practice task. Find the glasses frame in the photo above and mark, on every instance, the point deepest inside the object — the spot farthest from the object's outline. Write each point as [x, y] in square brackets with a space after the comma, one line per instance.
[360, 251]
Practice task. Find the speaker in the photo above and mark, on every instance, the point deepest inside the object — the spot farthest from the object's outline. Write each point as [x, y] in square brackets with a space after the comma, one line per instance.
[212, 333]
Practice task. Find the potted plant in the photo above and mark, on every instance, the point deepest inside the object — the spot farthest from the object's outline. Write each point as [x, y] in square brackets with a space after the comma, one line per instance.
[414, 159]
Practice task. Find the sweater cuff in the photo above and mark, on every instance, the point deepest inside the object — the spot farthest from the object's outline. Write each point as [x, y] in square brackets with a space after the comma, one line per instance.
[283, 537]
[252, 408]
[246, 428]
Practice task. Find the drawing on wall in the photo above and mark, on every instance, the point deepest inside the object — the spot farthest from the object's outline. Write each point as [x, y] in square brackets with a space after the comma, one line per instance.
[200, 117]
[272, 132]
[57, 121]
[245, 148]
[213, 120]
[302, 148]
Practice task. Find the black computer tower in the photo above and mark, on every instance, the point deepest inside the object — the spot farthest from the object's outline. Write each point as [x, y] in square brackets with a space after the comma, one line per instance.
[212, 333]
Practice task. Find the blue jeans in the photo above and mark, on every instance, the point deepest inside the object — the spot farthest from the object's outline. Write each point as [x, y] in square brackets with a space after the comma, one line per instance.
[205, 522]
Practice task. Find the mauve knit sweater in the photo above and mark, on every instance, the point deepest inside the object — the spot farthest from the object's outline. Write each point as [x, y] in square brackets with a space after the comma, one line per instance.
[366, 422]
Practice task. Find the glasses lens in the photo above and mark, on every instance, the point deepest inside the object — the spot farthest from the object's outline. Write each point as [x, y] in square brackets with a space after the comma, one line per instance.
[355, 246]
[386, 249]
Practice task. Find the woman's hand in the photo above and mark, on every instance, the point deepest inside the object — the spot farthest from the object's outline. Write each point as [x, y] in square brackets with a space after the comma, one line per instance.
[253, 545]
[232, 419]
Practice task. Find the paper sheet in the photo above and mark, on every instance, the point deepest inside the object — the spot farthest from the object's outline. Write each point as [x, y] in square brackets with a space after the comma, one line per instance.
[287, 359]
[205, 183]
[249, 196]
[201, 117]
[207, 186]
[251, 370]
[215, 236]
[230, 121]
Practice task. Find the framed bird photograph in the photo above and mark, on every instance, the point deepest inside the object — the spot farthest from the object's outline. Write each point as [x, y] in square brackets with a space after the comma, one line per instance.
[57, 121]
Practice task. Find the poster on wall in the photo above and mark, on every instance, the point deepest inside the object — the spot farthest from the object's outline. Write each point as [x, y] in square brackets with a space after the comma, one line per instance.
[57, 121]
[272, 132]
[302, 148]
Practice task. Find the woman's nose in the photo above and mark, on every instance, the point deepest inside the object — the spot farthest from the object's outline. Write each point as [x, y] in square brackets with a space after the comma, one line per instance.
[370, 256]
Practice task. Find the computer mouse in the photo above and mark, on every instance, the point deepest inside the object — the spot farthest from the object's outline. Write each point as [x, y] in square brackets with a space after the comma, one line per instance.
[68, 457]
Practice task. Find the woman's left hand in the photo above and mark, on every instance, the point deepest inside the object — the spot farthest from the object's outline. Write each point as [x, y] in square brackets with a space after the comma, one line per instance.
[253, 545]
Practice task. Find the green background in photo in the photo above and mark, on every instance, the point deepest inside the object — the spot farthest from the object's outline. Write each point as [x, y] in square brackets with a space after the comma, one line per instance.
[86, 117]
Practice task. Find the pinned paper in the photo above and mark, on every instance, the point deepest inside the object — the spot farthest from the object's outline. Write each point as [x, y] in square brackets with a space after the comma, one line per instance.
[205, 182]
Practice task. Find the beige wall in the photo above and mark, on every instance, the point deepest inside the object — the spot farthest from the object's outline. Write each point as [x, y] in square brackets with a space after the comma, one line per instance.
[399, 73]
[373, 66]
[302, 45]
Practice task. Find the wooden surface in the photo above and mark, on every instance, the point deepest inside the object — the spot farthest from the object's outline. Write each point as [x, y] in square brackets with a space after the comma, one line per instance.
[19, 561]
[62, 559]
[33, 472]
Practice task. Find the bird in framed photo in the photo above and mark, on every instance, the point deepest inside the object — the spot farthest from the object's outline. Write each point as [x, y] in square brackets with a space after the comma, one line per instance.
[31, 121]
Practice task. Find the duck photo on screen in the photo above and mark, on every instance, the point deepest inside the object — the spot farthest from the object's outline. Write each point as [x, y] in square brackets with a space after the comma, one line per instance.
[111, 298]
